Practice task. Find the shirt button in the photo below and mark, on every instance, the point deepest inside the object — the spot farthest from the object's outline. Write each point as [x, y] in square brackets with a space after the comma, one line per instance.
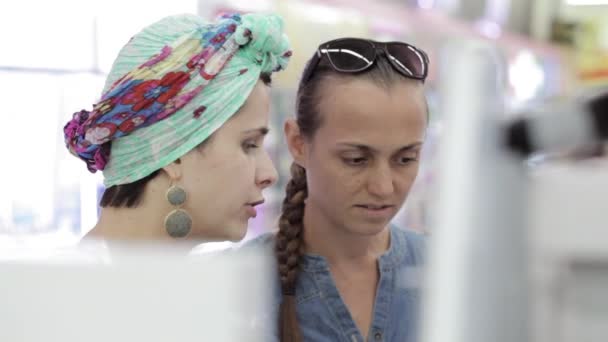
[378, 336]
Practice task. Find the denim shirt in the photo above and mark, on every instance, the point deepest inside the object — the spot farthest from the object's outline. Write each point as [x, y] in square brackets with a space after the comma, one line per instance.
[323, 315]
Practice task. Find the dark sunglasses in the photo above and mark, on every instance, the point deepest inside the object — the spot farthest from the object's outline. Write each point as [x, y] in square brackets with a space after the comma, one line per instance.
[352, 55]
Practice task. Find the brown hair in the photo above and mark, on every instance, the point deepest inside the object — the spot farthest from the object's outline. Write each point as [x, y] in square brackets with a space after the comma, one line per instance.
[130, 195]
[289, 239]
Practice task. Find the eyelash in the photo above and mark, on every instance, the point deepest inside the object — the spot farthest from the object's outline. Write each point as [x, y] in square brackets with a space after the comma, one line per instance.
[408, 160]
[249, 145]
[354, 161]
[360, 161]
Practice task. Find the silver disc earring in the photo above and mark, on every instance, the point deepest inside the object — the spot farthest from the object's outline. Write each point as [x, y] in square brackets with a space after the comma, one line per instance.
[178, 222]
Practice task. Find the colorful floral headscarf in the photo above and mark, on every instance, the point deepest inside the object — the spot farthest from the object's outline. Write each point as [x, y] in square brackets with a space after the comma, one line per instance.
[170, 88]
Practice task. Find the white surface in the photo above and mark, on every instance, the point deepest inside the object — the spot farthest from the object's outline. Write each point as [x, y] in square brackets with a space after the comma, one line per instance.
[569, 240]
[151, 295]
[476, 262]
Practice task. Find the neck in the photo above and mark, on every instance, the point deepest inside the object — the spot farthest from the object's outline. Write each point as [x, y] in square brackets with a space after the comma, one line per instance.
[140, 225]
[338, 245]
[128, 224]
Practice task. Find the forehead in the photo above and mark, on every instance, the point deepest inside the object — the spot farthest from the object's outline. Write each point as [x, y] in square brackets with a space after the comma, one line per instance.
[360, 109]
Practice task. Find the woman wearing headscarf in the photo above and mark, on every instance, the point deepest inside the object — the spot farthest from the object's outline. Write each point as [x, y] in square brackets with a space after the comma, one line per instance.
[179, 129]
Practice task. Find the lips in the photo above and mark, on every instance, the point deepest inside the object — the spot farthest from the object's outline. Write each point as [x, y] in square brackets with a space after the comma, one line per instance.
[375, 206]
[376, 212]
[250, 208]
[256, 203]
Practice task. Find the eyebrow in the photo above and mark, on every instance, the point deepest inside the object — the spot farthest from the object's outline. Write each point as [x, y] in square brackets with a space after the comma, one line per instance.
[366, 148]
[260, 130]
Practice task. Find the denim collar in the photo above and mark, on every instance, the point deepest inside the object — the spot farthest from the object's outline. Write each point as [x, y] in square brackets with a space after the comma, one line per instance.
[394, 257]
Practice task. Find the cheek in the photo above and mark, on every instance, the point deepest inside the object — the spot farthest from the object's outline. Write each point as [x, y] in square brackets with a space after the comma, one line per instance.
[239, 172]
[406, 178]
[334, 179]
[212, 176]
[351, 181]
[220, 189]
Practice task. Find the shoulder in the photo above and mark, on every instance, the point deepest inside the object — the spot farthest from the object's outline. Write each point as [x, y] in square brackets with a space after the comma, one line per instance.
[262, 245]
[264, 241]
[265, 320]
[413, 242]
[412, 258]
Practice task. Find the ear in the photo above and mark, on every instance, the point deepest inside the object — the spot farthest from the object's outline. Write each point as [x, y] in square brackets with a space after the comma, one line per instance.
[296, 142]
[174, 170]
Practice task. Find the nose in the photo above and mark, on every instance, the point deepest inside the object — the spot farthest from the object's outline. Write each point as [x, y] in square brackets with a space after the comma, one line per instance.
[266, 174]
[381, 182]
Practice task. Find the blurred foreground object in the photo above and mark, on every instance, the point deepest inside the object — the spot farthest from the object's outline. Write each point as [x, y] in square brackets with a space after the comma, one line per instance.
[477, 279]
[518, 253]
[142, 294]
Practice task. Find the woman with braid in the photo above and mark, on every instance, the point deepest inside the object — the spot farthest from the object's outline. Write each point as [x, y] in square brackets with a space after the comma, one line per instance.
[179, 128]
[346, 274]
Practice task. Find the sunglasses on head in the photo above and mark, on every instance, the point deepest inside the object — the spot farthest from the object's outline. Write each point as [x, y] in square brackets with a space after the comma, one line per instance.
[352, 55]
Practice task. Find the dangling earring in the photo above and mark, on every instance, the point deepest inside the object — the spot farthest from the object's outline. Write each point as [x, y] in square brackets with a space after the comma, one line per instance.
[178, 223]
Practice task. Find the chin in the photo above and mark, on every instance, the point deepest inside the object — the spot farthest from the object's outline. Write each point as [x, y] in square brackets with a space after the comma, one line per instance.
[236, 233]
[367, 228]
